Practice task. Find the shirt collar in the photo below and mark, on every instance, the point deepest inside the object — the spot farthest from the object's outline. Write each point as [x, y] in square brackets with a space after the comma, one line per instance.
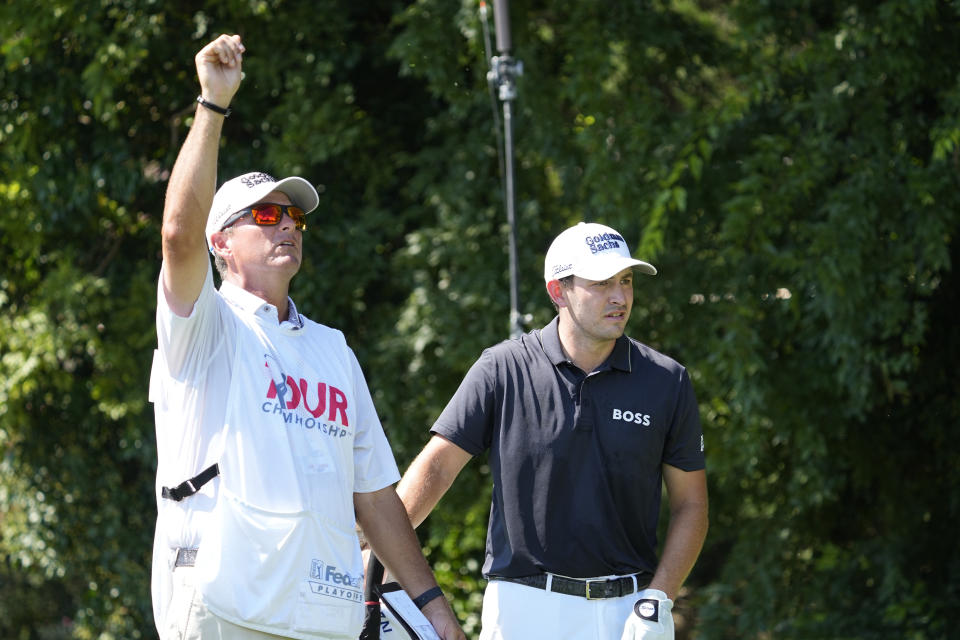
[293, 316]
[255, 305]
[619, 358]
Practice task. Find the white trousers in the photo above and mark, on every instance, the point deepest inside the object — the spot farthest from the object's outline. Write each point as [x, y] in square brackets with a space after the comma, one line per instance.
[189, 619]
[514, 611]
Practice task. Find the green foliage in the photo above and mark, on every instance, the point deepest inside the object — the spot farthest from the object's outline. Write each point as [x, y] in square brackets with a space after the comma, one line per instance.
[791, 168]
[836, 223]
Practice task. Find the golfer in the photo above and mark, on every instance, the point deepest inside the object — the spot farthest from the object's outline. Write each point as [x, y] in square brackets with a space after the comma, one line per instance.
[584, 426]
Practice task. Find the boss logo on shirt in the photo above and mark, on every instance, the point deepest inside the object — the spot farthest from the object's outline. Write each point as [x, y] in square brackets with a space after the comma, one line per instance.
[631, 416]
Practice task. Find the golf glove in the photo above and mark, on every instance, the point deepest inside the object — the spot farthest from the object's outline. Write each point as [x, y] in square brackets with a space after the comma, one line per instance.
[651, 618]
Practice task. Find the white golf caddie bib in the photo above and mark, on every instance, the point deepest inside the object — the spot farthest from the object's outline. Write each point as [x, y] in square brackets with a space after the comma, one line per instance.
[281, 554]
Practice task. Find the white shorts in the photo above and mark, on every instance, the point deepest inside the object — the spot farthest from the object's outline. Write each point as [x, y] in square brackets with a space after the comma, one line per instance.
[189, 619]
[514, 611]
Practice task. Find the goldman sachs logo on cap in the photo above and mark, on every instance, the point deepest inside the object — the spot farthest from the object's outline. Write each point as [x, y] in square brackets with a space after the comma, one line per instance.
[254, 179]
[604, 242]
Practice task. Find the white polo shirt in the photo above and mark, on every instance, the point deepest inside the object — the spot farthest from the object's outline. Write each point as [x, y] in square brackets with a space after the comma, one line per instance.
[284, 410]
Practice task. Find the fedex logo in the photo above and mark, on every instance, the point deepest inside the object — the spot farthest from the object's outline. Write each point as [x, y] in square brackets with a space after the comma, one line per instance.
[329, 573]
[326, 580]
[326, 398]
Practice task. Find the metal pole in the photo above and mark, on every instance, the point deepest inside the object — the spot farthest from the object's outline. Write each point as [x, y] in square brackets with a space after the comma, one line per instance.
[503, 70]
[516, 326]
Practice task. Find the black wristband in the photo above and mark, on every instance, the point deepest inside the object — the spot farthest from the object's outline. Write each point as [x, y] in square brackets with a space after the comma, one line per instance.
[428, 595]
[225, 112]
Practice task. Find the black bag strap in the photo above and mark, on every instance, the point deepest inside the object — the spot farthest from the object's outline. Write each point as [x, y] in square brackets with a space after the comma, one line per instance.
[189, 487]
[371, 596]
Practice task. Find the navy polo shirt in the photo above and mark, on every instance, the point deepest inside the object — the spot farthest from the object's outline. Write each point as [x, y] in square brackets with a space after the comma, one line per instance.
[576, 458]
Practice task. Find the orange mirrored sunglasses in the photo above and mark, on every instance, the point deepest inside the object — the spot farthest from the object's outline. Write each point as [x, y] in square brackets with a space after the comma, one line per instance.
[268, 214]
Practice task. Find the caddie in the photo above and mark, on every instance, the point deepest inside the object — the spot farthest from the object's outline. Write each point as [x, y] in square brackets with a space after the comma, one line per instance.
[269, 447]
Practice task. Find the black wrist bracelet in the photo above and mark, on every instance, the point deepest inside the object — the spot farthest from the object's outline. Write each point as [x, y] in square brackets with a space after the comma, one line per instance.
[214, 107]
[428, 595]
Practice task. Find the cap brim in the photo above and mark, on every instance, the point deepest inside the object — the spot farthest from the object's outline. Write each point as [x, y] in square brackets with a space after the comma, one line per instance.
[607, 268]
[300, 192]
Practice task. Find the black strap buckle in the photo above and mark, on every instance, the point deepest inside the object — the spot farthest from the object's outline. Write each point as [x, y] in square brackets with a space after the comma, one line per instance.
[189, 487]
[185, 557]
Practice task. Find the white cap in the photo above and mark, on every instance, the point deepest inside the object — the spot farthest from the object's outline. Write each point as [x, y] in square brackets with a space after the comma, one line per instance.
[241, 192]
[592, 251]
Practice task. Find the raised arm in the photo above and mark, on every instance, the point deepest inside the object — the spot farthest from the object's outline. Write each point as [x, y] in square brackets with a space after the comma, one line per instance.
[194, 177]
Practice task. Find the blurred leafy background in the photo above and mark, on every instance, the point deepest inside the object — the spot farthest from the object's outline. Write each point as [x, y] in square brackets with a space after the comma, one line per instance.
[790, 167]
